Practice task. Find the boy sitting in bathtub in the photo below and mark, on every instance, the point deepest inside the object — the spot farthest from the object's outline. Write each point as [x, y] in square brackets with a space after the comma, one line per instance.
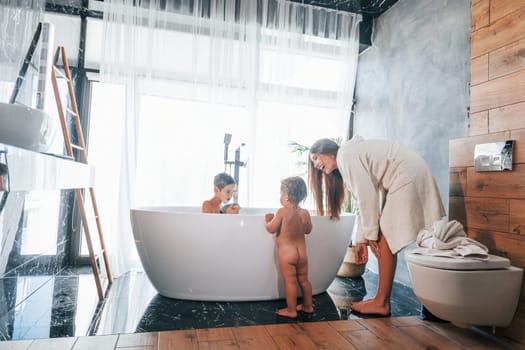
[224, 185]
[291, 223]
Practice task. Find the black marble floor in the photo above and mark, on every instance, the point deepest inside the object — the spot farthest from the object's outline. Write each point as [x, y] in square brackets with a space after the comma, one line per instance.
[67, 305]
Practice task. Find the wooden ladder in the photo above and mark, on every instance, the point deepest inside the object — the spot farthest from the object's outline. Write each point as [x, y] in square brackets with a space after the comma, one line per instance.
[82, 149]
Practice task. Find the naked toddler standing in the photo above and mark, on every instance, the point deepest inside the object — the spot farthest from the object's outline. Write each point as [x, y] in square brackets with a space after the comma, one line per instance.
[291, 223]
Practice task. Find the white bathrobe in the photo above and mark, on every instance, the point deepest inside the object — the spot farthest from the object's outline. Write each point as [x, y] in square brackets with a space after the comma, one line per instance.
[374, 169]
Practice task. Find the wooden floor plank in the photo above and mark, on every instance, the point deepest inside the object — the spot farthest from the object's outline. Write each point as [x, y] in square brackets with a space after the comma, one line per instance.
[325, 336]
[283, 329]
[254, 338]
[407, 321]
[53, 344]
[294, 341]
[385, 329]
[227, 344]
[377, 334]
[138, 340]
[364, 339]
[101, 342]
[248, 332]
[257, 343]
[203, 345]
[430, 339]
[214, 334]
[346, 325]
[465, 337]
[184, 339]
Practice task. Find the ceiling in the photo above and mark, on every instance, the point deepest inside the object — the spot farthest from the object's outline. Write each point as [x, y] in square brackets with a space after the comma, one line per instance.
[372, 8]
[369, 9]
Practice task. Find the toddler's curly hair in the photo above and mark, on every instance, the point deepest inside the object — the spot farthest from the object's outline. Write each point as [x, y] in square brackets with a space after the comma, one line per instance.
[295, 187]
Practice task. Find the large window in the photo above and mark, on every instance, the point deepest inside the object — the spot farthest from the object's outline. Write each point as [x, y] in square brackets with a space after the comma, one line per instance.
[171, 90]
[180, 148]
[179, 145]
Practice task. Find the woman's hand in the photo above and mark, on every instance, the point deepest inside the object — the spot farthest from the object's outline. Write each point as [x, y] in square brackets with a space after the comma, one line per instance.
[374, 246]
[268, 217]
[361, 253]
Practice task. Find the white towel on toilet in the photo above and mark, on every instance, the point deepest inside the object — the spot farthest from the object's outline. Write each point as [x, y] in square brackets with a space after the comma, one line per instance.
[448, 239]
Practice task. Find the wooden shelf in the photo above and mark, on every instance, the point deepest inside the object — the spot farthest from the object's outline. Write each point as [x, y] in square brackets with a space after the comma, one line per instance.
[29, 170]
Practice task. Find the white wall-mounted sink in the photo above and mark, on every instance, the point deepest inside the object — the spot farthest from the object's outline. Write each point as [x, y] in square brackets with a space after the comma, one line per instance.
[26, 127]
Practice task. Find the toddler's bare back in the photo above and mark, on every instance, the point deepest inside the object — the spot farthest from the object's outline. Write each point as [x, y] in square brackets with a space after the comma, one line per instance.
[296, 223]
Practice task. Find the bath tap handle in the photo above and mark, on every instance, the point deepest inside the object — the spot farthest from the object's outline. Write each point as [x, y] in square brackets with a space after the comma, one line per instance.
[227, 140]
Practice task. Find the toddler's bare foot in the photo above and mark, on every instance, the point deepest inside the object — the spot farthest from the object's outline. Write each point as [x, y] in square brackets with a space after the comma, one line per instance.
[287, 313]
[305, 309]
[371, 307]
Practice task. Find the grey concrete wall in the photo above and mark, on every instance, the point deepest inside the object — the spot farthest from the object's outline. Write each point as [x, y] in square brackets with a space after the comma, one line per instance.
[413, 84]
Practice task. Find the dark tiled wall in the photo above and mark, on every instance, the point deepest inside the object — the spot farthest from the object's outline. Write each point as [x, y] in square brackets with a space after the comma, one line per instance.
[18, 209]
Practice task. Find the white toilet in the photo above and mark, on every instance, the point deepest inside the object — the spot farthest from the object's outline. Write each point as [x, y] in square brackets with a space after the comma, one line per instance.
[464, 291]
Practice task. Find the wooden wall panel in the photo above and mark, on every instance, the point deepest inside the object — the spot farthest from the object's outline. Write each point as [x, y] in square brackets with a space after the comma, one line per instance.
[507, 118]
[501, 8]
[478, 123]
[505, 184]
[502, 244]
[499, 92]
[457, 182]
[517, 216]
[506, 60]
[519, 144]
[498, 34]
[479, 69]
[487, 213]
[461, 151]
[491, 205]
[456, 209]
[480, 15]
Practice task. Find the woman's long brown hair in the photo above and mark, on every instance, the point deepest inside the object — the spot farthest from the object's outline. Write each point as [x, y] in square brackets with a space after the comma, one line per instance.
[332, 188]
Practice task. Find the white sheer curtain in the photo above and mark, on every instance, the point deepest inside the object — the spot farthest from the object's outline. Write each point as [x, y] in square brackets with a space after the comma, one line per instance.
[18, 22]
[268, 72]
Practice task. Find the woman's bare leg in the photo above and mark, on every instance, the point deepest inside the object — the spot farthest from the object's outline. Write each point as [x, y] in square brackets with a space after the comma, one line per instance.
[380, 304]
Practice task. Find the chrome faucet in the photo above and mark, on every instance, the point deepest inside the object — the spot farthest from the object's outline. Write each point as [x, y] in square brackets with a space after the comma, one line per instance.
[237, 163]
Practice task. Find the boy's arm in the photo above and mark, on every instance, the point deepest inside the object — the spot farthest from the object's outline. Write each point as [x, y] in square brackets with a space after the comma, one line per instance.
[207, 207]
[274, 223]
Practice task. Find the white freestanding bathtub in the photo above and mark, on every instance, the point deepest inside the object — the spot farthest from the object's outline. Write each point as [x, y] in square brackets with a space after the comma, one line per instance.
[224, 257]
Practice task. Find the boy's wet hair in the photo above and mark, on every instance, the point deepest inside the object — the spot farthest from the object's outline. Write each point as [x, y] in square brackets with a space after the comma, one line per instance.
[222, 180]
[295, 187]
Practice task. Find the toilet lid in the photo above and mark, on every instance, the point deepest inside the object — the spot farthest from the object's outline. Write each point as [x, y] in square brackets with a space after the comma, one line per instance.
[438, 262]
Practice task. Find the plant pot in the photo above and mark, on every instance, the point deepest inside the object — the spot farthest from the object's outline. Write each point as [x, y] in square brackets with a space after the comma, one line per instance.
[349, 268]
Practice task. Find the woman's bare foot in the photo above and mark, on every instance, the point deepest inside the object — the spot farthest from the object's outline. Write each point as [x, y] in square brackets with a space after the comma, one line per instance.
[371, 307]
[308, 310]
[287, 313]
